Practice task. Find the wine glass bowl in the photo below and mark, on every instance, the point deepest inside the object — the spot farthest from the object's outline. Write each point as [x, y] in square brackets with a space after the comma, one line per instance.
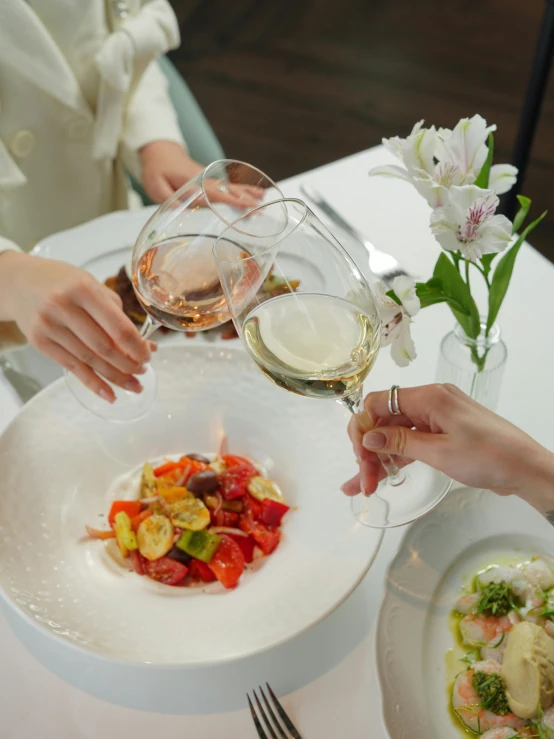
[316, 338]
[320, 335]
[173, 270]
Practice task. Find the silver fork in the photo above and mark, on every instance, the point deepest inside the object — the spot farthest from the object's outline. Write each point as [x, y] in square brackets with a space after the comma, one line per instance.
[280, 725]
[381, 264]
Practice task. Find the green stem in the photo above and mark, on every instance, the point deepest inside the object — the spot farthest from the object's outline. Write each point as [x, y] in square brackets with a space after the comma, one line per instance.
[485, 277]
[467, 274]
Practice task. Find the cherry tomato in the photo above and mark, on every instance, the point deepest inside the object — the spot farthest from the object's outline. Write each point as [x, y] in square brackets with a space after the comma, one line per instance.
[225, 518]
[130, 507]
[228, 562]
[166, 570]
[234, 481]
[137, 560]
[200, 571]
[253, 507]
[233, 460]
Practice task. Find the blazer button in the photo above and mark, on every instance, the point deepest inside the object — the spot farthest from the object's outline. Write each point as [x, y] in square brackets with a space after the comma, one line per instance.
[77, 129]
[23, 144]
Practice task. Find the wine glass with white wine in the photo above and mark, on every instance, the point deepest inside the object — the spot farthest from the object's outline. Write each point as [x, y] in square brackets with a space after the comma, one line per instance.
[318, 339]
[174, 274]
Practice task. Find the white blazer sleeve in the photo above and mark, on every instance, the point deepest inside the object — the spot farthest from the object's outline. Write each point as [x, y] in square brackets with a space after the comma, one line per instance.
[10, 335]
[150, 116]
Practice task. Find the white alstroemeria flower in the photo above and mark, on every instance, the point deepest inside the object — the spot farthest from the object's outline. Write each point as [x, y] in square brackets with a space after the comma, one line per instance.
[465, 146]
[502, 178]
[434, 187]
[468, 223]
[396, 319]
[416, 152]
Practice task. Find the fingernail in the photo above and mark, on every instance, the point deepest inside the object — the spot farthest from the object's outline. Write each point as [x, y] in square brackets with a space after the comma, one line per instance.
[133, 386]
[106, 395]
[374, 440]
[342, 488]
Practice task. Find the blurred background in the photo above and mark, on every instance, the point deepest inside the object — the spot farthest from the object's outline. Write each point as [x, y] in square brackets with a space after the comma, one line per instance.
[290, 85]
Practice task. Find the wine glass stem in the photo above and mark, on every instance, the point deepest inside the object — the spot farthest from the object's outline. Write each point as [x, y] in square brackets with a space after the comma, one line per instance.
[148, 327]
[354, 403]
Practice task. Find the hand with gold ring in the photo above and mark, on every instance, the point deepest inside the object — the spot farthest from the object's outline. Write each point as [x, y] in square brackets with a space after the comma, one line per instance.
[444, 428]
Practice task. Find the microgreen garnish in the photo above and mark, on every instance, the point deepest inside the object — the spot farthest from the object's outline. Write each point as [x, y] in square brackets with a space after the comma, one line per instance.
[495, 599]
[491, 692]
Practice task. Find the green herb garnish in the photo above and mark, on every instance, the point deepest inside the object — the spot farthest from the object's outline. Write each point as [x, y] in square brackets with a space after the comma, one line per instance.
[491, 692]
[495, 599]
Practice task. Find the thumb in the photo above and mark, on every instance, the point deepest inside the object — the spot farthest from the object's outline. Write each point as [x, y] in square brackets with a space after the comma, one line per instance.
[405, 442]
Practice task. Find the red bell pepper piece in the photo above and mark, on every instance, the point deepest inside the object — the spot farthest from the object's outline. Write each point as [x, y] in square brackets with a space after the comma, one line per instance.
[200, 571]
[163, 469]
[266, 538]
[273, 512]
[246, 544]
[130, 507]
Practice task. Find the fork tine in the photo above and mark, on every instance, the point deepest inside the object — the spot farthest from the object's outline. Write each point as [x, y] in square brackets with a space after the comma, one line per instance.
[273, 716]
[286, 720]
[265, 718]
[257, 724]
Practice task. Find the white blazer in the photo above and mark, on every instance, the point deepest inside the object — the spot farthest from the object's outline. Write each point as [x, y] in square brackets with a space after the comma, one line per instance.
[80, 93]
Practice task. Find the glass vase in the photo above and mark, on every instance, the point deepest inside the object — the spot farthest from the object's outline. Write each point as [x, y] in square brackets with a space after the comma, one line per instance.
[476, 366]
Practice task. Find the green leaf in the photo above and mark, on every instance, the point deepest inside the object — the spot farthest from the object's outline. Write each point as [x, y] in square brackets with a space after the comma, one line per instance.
[486, 262]
[392, 295]
[467, 314]
[483, 178]
[503, 273]
[521, 215]
[432, 292]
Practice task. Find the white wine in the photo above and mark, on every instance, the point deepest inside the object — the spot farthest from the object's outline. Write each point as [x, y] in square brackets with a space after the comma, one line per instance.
[315, 345]
[177, 283]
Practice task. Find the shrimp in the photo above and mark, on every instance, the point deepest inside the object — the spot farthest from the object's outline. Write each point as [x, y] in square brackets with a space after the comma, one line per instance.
[488, 631]
[496, 654]
[466, 702]
[465, 603]
[503, 733]
[549, 628]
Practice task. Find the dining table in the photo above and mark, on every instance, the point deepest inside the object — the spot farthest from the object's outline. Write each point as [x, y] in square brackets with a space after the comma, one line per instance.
[326, 677]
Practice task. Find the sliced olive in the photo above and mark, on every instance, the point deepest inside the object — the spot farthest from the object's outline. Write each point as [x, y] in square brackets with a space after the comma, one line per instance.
[179, 556]
[198, 458]
[205, 481]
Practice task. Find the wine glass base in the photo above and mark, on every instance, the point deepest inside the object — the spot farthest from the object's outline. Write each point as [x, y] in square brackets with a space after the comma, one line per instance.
[397, 505]
[127, 406]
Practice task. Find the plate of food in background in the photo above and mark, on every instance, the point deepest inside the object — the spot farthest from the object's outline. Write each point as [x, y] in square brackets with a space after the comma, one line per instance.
[464, 639]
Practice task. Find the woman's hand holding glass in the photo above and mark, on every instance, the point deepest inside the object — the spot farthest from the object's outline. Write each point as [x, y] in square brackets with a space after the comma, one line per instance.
[444, 428]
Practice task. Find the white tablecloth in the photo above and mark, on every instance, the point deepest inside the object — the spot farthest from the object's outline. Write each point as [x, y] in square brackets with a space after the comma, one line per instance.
[327, 676]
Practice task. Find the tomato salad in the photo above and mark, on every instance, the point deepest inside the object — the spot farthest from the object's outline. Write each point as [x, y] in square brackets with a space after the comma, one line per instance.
[197, 520]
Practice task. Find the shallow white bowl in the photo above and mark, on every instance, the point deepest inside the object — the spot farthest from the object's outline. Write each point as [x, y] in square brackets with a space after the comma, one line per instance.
[469, 530]
[57, 462]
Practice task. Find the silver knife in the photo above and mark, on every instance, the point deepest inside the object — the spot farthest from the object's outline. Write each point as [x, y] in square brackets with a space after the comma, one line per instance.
[381, 264]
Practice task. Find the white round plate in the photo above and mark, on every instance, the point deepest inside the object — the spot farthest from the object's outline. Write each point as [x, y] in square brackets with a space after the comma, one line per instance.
[57, 462]
[467, 531]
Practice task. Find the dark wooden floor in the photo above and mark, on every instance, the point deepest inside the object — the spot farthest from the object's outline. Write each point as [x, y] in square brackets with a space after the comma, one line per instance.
[292, 84]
